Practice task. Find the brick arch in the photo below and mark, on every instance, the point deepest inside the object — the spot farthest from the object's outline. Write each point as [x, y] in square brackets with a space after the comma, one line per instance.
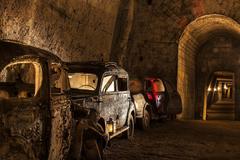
[194, 35]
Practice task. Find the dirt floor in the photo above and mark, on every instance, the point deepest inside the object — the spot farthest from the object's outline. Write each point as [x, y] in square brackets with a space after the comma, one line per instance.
[185, 140]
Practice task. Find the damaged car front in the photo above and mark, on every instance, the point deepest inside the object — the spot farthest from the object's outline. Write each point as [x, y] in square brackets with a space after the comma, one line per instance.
[91, 139]
[24, 110]
[103, 88]
[37, 118]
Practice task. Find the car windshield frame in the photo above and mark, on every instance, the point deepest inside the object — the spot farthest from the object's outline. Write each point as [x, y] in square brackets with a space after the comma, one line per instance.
[98, 76]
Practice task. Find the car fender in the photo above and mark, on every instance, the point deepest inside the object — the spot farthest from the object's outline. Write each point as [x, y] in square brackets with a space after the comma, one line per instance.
[140, 103]
[132, 109]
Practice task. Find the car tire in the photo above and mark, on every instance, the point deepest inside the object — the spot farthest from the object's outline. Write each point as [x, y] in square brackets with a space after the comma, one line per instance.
[92, 150]
[145, 121]
[130, 132]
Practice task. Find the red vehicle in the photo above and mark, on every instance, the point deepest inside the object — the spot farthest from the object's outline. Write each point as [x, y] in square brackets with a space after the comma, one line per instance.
[156, 95]
[154, 98]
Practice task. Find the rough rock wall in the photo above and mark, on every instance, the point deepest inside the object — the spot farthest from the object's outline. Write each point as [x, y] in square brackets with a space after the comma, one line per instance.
[158, 25]
[157, 29]
[72, 29]
[142, 35]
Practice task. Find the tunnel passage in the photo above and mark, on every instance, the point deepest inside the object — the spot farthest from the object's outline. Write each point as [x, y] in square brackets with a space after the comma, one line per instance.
[195, 35]
[220, 96]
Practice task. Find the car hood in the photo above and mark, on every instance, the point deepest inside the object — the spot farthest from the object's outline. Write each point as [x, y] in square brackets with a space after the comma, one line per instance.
[76, 93]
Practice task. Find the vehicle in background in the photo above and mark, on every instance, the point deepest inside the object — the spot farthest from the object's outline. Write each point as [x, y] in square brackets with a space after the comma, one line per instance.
[154, 98]
[104, 88]
[37, 120]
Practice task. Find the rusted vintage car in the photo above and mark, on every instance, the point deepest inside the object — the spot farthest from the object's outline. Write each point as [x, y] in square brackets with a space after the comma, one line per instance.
[37, 120]
[155, 98]
[104, 87]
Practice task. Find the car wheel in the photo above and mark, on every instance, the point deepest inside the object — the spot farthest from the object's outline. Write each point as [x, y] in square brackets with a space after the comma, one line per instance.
[92, 150]
[145, 121]
[130, 132]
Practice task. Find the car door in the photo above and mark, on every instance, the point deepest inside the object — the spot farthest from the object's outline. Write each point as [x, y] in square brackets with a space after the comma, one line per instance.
[61, 116]
[109, 95]
[23, 111]
[123, 99]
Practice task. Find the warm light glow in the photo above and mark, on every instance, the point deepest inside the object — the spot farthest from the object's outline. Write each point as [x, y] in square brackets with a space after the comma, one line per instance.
[110, 127]
[215, 89]
[83, 81]
[209, 89]
[219, 88]
[225, 86]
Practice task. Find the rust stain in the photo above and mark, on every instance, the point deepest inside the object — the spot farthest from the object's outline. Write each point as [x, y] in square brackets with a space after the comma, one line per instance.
[198, 8]
[183, 22]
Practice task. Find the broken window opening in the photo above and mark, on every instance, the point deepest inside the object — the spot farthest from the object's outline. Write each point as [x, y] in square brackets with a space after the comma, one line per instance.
[24, 79]
[108, 84]
[122, 84]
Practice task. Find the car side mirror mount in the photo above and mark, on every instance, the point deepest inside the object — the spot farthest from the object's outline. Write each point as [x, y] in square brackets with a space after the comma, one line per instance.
[98, 99]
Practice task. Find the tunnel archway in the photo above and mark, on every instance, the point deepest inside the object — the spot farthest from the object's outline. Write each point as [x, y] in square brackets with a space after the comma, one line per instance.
[194, 36]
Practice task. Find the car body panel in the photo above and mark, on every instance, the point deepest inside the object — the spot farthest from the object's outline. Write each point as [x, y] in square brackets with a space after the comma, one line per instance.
[113, 105]
[61, 121]
[39, 125]
[160, 104]
[140, 104]
[22, 124]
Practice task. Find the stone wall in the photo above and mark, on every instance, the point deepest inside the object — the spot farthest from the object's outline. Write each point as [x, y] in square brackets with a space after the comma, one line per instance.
[74, 30]
[141, 35]
[158, 26]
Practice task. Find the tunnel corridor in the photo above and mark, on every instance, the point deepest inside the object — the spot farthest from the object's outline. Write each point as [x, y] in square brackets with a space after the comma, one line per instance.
[183, 54]
[221, 110]
[207, 45]
[221, 97]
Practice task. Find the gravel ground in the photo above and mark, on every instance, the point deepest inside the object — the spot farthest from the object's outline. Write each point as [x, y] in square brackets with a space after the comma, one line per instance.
[180, 140]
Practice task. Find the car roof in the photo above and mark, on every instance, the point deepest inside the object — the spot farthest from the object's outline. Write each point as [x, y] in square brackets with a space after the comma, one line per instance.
[96, 67]
[22, 51]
